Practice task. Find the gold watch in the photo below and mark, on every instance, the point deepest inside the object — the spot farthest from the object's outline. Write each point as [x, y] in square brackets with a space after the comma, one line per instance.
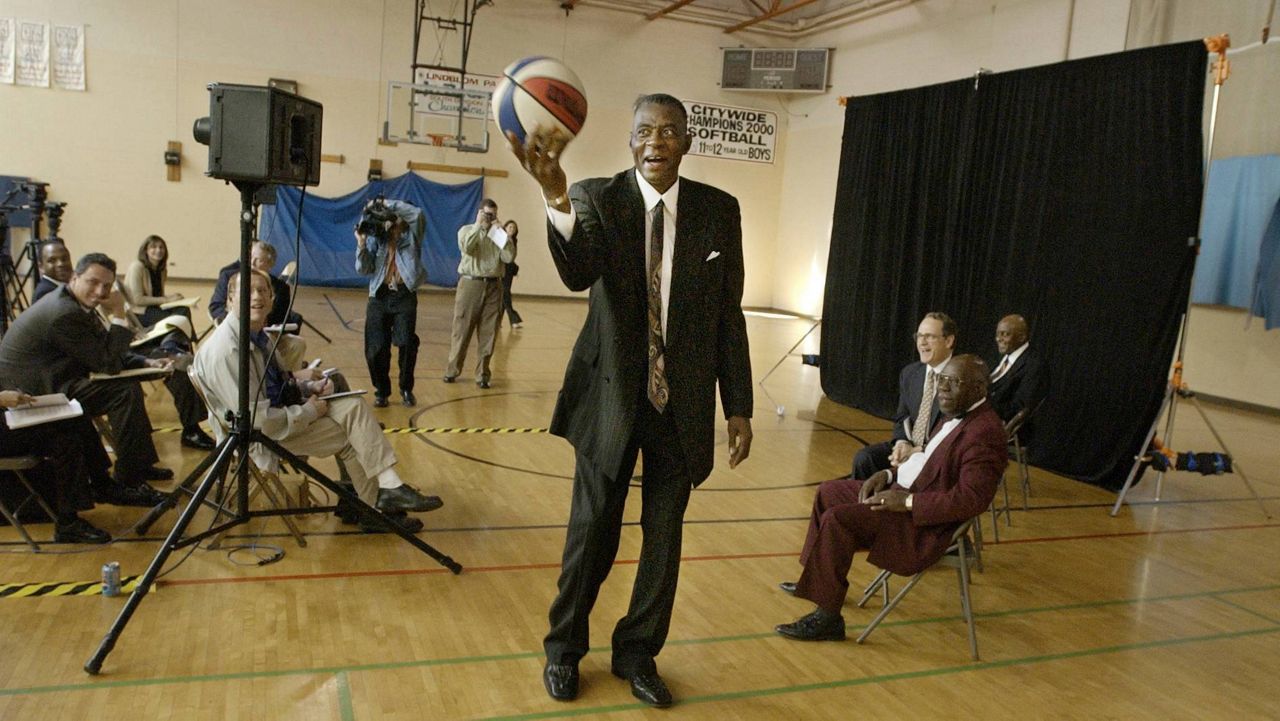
[908, 501]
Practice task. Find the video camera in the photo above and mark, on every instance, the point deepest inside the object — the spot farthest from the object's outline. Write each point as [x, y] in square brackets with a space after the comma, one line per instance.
[377, 218]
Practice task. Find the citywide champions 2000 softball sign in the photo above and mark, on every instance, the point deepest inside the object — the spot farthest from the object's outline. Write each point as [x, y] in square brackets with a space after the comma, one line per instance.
[722, 131]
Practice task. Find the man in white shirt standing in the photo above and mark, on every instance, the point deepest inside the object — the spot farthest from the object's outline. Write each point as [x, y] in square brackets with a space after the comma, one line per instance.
[904, 517]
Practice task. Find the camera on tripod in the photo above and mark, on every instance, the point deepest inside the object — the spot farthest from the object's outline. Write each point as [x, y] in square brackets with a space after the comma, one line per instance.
[377, 219]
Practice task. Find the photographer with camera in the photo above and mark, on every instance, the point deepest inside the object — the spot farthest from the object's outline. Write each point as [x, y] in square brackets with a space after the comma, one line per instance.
[389, 251]
[478, 302]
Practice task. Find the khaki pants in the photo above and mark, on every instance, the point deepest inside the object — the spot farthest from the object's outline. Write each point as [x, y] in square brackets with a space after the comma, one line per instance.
[476, 308]
[350, 432]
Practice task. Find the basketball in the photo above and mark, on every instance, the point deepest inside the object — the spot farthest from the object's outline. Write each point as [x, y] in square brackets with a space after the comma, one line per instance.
[539, 91]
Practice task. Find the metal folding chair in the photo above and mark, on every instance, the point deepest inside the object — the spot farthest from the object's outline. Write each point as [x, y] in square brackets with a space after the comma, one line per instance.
[1017, 454]
[960, 554]
[18, 466]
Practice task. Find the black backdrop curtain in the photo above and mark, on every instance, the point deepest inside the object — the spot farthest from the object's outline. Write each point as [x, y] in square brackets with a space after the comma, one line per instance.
[1066, 193]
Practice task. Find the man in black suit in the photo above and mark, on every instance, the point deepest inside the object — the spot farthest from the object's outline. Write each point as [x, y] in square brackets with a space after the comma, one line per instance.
[55, 268]
[659, 337]
[1020, 380]
[917, 411]
[54, 346]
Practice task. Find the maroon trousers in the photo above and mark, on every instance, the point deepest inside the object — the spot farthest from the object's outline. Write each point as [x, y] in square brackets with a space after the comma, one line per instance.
[838, 526]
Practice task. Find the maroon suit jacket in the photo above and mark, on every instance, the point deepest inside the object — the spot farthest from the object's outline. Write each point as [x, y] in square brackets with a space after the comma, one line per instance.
[956, 484]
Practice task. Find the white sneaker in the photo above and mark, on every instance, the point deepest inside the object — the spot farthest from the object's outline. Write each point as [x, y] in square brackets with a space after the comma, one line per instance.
[517, 325]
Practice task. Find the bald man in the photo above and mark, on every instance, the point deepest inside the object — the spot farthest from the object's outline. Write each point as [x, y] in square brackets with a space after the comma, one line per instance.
[1020, 379]
[904, 517]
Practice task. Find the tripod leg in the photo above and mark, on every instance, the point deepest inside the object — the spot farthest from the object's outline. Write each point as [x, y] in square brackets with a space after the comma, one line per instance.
[316, 331]
[140, 528]
[94, 664]
[363, 508]
[1235, 467]
[1137, 461]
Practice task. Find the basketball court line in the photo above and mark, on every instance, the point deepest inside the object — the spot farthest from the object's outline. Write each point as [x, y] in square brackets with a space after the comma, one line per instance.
[345, 671]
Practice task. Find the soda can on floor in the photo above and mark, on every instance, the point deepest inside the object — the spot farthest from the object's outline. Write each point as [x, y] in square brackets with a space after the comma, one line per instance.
[111, 579]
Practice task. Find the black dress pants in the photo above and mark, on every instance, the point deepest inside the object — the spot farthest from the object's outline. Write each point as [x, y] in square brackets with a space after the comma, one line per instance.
[67, 446]
[121, 401]
[391, 318]
[591, 543]
[871, 459]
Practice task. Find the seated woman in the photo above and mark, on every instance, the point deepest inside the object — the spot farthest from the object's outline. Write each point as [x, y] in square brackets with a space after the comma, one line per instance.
[144, 284]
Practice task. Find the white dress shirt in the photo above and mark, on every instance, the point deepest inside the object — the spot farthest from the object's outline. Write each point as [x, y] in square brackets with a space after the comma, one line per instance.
[563, 223]
[910, 468]
[1007, 362]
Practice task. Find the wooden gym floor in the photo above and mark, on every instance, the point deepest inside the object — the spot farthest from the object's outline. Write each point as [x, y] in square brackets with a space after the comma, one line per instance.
[1169, 611]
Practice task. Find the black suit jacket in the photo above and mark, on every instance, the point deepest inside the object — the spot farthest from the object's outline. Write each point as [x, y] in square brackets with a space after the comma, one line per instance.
[910, 393]
[44, 287]
[706, 339]
[1024, 385]
[56, 342]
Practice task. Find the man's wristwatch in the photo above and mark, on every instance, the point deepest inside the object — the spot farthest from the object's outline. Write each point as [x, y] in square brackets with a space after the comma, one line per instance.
[907, 502]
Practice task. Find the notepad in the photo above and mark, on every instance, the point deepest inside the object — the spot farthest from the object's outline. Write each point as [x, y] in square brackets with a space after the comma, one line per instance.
[140, 373]
[181, 303]
[343, 394]
[45, 409]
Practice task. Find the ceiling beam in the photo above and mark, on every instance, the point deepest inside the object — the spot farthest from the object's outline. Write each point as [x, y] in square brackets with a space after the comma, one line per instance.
[670, 8]
[775, 12]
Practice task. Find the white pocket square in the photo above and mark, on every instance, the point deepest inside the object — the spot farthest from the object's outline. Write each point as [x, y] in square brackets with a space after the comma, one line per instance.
[714, 254]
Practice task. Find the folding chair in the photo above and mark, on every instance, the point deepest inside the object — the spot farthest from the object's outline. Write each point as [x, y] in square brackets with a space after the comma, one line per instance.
[265, 481]
[1017, 454]
[18, 465]
[960, 555]
[287, 276]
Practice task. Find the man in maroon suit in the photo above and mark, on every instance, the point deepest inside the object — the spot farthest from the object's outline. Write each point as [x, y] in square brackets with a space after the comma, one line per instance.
[904, 517]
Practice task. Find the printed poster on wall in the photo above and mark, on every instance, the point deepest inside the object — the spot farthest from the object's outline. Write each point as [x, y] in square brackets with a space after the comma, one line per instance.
[447, 105]
[32, 64]
[6, 50]
[723, 131]
[68, 56]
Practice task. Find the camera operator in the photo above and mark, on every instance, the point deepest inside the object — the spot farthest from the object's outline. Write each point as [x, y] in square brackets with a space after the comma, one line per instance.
[478, 301]
[389, 251]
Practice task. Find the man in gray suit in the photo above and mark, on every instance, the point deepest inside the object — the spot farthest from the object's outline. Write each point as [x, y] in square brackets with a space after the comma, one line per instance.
[663, 259]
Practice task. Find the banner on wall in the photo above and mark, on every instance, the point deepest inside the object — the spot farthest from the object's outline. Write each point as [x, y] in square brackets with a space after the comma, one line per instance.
[7, 46]
[68, 56]
[723, 131]
[32, 63]
[446, 105]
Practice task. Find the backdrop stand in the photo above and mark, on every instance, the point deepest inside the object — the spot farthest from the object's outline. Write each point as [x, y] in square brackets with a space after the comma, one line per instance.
[1176, 388]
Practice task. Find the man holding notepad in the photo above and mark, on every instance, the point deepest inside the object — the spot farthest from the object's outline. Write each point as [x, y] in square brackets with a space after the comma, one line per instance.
[292, 409]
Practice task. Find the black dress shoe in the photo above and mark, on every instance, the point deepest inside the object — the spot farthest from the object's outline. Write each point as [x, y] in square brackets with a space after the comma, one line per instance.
[406, 498]
[156, 473]
[788, 587]
[409, 400]
[119, 494]
[79, 530]
[449, 379]
[561, 681]
[817, 626]
[408, 523]
[198, 439]
[482, 383]
[649, 688]
[379, 401]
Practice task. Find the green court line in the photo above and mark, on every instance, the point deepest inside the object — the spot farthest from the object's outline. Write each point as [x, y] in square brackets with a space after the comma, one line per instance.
[345, 709]
[887, 678]
[462, 660]
[1250, 611]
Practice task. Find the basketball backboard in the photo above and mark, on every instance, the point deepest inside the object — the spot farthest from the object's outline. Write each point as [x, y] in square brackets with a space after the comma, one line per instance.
[439, 113]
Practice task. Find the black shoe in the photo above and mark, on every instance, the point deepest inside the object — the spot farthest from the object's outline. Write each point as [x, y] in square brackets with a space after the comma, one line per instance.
[156, 473]
[788, 587]
[408, 523]
[406, 498]
[483, 383]
[649, 688]
[120, 494]
[561, 681]
[198, 439]
[379, 401]
[79, 530]
[817, 626]
[450, 379]
[409, 400]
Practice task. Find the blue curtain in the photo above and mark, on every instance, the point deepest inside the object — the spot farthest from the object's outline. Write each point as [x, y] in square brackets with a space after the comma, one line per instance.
[328, 247]
[1239, 205]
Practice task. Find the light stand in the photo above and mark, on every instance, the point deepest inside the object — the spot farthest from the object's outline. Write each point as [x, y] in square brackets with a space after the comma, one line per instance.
[215, 465]
[1176, 387]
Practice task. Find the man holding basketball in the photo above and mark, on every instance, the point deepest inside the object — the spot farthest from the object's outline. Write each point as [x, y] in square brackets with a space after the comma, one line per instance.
[663, 259]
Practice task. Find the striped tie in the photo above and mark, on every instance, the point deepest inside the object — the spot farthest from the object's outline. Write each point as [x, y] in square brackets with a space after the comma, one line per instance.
[920, 429]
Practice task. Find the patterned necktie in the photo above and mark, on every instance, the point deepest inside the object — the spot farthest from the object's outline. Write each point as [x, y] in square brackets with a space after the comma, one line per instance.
[1004, 366]
[920, 428]
[393, 272]
[658, 390]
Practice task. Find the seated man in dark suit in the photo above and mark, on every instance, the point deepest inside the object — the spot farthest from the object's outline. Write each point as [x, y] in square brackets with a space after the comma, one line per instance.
[66, 446]
[904, 517]
[263, 258]
[1020, 380]
[917, 413]
[54, 346]
[55, 271]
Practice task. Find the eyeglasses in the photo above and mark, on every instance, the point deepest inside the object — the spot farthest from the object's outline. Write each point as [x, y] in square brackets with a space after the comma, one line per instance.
[946, 380]
[931, 337]
[645, 133]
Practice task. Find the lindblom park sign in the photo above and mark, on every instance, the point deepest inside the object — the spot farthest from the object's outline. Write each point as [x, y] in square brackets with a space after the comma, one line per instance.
[723, 131]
